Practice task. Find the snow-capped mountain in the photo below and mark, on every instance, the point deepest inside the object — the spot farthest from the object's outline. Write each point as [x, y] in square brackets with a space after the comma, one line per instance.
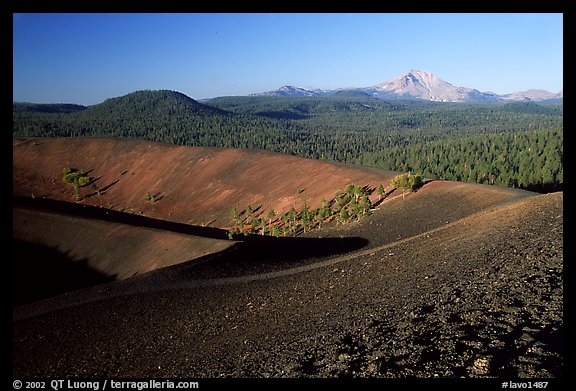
[533, 95]
[292, 91]
[427, 86]
[419, 85]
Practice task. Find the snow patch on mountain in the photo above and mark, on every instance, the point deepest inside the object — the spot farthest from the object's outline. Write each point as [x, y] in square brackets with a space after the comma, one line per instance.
[426, 85]
[533, 95]
[291, 91]
[419, 85]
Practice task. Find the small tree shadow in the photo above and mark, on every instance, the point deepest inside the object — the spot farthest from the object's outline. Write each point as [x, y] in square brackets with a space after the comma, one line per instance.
[383, 198]
[102, 190]
[158, 196]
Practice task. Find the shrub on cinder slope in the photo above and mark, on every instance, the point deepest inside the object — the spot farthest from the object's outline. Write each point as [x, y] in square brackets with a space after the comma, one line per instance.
[408, 181]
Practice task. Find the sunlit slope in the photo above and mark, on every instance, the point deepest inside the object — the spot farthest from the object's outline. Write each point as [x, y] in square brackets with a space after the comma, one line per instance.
[188, 184]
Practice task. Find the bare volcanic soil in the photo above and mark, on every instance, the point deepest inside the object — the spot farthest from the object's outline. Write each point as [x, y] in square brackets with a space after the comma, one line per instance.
[150, 205]
[455, 280]
[57, 252]
[192, 185]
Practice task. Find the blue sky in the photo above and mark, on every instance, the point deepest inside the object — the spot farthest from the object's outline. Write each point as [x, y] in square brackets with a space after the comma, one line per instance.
[87, 58]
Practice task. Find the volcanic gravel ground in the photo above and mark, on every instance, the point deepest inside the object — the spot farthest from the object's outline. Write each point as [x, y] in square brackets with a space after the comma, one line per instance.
[476, 296]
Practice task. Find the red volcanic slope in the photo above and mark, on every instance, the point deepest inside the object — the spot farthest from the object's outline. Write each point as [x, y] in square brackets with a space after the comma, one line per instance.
[191, 185]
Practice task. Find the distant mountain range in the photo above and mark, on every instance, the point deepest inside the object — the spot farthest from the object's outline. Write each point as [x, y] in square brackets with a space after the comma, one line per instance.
[419, 85]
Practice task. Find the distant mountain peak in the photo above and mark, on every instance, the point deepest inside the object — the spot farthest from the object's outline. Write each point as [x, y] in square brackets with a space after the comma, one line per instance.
[533, 95]
[418, 84]
[426, 85]
[290, 91]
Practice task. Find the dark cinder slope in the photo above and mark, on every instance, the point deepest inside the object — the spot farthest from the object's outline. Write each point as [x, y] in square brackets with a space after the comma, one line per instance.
[453, 280]
[113, 248]
[478, 297]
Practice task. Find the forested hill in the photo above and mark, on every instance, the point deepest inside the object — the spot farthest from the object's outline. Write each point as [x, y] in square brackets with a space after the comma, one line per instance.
[150, 103]
[163, 115]
[516, 144]
[23, 107]
[371, 114]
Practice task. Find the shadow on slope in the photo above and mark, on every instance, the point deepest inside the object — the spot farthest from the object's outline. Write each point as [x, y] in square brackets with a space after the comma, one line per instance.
[282, 115]
[105, 214]
[254, 255]
[545, 188]
[39, 272]
[264, 254]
